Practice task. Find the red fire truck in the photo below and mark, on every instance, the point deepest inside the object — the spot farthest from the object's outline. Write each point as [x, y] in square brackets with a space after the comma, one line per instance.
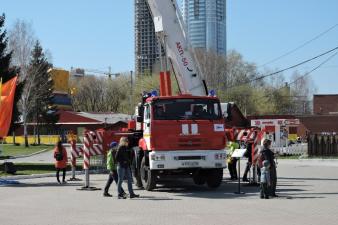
[180, 135]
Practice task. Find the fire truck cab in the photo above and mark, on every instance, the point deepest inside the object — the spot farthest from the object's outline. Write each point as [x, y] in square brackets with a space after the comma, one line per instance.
[182, 136]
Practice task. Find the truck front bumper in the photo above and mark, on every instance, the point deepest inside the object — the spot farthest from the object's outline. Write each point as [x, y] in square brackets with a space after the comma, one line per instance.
[171, 160]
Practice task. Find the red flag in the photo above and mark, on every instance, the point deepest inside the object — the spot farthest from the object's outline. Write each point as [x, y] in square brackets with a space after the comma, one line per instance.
[6, 107]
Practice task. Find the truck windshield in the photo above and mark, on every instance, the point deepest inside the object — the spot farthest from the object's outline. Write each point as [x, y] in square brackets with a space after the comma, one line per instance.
[187, 109]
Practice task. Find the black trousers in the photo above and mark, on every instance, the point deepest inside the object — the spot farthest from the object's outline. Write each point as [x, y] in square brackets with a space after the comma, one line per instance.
[232, 168]
[113, 176]
[264, 190]
[63, 174]
[273, 180]
[246, 171]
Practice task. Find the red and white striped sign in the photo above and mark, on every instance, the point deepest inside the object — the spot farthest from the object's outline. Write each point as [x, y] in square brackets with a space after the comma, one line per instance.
[86, 151]
[244, 134]
[76, 150]
[257, 146]
[96, 139]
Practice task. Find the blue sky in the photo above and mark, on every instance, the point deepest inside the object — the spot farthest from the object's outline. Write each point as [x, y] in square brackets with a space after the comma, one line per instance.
[98, 34]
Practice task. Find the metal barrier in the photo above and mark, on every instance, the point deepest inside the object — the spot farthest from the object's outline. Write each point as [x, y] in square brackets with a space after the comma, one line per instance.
[92, 152]
[93, 146]
[296, 149]
[323, 145]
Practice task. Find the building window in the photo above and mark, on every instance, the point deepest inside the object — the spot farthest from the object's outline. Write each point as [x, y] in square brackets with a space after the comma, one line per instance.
[196, 8]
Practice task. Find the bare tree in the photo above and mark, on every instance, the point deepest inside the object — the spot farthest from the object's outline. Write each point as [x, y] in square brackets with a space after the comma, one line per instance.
[98, 94]
[213, 68]
[302, 89]
[21, 41]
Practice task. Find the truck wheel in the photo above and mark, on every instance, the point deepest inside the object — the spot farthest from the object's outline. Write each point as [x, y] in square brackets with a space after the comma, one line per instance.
[199, 177]
[148, 177]
[214, 178]
[136, 175]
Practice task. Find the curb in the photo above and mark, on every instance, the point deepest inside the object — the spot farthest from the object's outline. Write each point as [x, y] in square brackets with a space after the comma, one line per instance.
[34, 176]
[24, 156]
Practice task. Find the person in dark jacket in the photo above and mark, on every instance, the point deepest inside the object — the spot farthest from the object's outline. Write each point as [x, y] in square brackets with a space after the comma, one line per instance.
[248, 154]
[123, 159]
[267, 154]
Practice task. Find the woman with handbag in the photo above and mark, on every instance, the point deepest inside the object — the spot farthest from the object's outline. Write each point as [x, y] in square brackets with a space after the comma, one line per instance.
[61, 159]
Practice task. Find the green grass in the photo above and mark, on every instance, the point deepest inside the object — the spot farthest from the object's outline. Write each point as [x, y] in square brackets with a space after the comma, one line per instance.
[32, 168]
[12, 150]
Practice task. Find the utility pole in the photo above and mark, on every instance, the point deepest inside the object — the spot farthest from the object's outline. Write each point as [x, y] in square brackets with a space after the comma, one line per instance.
[109, 72]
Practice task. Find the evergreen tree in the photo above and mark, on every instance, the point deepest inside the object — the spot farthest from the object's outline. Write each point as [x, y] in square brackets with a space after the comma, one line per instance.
[7, 73]
[43, 110]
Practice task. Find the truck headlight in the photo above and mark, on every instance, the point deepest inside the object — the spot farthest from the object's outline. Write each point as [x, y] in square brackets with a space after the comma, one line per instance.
[220, 156]
[158, 157]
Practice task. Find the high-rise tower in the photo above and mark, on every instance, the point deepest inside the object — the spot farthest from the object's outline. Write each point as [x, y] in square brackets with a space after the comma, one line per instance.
[206, 24]
[146, 47]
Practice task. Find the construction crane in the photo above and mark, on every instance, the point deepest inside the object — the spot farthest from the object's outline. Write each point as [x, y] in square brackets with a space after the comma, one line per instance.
[82, 72]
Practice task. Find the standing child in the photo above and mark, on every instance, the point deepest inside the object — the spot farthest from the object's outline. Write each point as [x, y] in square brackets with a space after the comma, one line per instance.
[61, 159]
[265, 179]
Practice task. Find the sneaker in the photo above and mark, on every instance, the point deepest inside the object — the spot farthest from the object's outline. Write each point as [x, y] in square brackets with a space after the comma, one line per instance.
[134, 196]
[64, 182]
[107, 195]
[267, 197]
[245, 179]
[121, 196]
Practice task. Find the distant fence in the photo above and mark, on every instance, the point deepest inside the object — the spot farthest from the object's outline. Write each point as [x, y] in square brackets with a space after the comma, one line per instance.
[323, 145]
[44, 139]
[295, 149]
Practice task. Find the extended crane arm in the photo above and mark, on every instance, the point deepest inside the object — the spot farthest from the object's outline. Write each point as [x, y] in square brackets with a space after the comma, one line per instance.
[169, 27]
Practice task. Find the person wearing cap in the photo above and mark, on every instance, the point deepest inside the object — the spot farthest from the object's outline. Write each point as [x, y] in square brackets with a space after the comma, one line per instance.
[112, 168]
[267, 154]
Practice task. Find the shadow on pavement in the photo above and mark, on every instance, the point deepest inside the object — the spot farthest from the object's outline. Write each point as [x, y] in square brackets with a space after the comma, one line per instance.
[154, 198]
[44, 184]
[308, 178]
[185, 187]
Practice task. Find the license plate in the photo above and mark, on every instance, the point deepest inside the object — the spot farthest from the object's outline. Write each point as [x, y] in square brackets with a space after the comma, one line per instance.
[192, 164]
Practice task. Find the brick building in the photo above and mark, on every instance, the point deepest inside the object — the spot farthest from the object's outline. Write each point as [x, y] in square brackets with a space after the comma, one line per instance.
[77, 122]
[325, 104]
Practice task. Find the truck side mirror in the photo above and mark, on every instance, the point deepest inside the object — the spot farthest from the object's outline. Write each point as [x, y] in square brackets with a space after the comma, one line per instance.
[139, 119]
[227, 114]
[140, 111]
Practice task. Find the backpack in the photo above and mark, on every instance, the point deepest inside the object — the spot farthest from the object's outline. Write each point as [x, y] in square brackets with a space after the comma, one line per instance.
[58, 156]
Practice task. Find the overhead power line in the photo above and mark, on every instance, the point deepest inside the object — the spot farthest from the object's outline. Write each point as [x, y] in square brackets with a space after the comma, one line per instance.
[288, 68]
[299, 47]
[317, 67]
[306, 74]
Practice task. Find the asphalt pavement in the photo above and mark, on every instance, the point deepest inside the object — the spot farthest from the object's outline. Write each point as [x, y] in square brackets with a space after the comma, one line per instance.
[307, 195]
